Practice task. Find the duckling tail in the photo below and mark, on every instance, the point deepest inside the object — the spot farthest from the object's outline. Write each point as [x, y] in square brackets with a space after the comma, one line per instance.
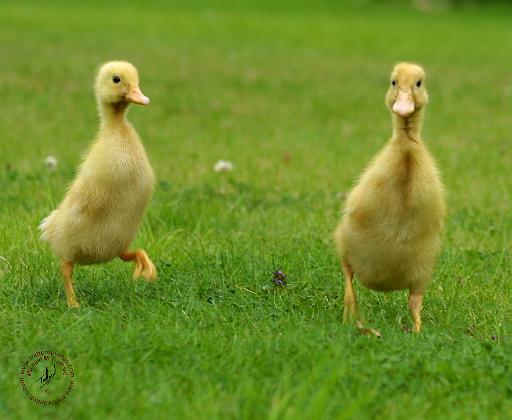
[43, 227]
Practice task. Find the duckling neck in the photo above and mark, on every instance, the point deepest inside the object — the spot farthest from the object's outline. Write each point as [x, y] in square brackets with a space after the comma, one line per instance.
[408, 129]
[113, 114]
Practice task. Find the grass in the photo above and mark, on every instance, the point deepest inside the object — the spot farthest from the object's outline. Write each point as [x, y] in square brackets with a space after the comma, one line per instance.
[293, 95]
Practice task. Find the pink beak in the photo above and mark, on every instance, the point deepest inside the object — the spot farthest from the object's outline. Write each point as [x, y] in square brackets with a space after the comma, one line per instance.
[136, 96]
[404, 104]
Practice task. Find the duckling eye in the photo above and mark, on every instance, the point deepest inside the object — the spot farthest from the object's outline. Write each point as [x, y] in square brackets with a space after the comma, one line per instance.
[393, 82]
[116, 79]
[418, 83]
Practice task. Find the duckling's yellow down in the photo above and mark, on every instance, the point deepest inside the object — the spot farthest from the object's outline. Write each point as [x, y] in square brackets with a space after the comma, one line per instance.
[390, 232]
[100, 215]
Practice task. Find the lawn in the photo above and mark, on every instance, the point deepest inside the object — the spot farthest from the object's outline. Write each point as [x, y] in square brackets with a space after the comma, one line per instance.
[293, 94]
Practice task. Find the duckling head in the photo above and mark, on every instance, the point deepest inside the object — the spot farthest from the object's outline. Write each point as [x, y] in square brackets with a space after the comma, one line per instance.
[117, 84]
[407, 93]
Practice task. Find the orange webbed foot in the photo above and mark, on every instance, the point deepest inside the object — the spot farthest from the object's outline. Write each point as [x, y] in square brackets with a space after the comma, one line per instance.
[367, 331]
[144, 267]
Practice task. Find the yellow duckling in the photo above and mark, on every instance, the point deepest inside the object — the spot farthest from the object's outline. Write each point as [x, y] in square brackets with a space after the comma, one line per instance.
[390, 232]
[103, 208]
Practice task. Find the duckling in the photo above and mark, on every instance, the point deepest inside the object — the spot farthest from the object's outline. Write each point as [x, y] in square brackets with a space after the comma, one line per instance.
[390, 231]
[104, 206]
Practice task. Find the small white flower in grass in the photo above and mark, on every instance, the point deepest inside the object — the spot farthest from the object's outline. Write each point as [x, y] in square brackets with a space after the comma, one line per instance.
[223, 166]
[51, 162]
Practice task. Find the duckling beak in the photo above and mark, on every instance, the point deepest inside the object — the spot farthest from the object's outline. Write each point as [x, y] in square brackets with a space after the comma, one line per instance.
[404, 104]
[136, 96]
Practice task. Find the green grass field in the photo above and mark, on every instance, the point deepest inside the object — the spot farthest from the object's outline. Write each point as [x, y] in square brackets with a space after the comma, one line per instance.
[293, 95]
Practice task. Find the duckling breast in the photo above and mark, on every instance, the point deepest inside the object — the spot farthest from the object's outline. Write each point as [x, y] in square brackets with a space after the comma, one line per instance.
[392, 222]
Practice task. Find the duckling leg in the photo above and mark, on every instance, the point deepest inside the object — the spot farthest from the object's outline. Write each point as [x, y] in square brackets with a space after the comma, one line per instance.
[66, 268]
[415, 302]
[143, 265]
[350, 303]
